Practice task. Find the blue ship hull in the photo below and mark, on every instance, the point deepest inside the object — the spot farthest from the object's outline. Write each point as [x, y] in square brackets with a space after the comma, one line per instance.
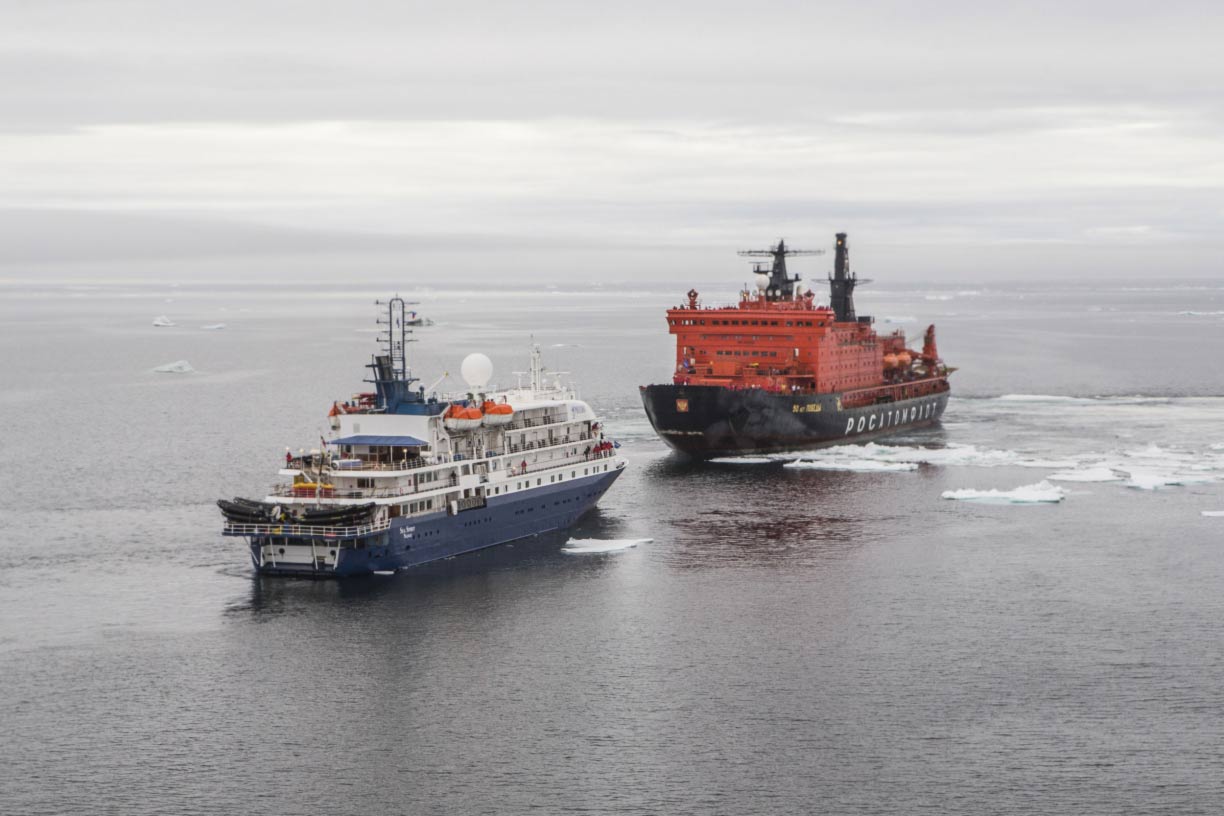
[410, 542]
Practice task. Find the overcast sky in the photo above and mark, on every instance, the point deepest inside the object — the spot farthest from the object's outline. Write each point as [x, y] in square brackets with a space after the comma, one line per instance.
[1072, 136]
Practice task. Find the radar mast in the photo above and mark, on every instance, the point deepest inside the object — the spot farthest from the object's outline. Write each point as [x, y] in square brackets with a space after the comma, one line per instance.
[781, 285]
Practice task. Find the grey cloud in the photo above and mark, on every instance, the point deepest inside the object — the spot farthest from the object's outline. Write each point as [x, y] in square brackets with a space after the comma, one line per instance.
[103, 62]
[376, 127]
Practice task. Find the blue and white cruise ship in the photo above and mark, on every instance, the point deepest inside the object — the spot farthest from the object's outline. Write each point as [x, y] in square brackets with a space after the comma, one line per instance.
[410, 477]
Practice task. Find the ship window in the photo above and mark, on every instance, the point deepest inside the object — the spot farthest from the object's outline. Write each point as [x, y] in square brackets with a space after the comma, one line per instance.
[789, 323]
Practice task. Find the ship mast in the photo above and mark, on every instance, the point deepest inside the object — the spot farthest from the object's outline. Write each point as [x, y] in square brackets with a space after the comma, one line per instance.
[392, 378]
[781, 285]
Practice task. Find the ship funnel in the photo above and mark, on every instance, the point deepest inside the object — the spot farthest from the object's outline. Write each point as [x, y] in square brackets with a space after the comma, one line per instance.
[841, 284]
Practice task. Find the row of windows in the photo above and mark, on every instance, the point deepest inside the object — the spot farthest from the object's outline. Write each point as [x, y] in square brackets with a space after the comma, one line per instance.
[415, 507]
[556, 477]
[722, 353]
[807, 323]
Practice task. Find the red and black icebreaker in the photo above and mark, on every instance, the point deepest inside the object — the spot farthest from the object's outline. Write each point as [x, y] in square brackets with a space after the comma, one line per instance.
[779, 372]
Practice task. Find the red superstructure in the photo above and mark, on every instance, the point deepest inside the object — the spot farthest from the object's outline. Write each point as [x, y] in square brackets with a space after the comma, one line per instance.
[779, 339]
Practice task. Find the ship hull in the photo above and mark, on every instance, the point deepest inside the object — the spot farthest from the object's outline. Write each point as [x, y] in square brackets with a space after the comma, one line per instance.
[418, 540]
[706, 421]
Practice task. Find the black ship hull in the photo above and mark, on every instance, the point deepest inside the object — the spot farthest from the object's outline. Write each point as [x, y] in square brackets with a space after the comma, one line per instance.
[705, 421]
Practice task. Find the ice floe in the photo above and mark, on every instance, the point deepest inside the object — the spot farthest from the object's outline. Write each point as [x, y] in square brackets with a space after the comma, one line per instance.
[744, 460]
[1088, 474]
[856, 465]
[177, 367]
[587, 546]
[1153, 479]
[950, 455]
[213, 327]
[1214, 513]
[161, 321]
[1041, 493]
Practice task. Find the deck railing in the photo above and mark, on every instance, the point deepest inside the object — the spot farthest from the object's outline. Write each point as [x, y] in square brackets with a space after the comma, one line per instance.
[303, 530]
[303, 492]
[535, 467]
[534, 422]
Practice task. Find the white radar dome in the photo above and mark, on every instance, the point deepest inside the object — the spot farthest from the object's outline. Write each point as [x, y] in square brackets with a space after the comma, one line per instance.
[800, 289]
[476, 370]
[762, 281]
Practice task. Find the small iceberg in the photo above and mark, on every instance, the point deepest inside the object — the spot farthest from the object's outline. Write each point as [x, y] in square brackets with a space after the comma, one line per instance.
[177, 367]
[1092, 474]
[586, 546]
[854, 465]
[1214, 513]
[213, 327]
[162, 321]
[1153, 479]
[1041, 493]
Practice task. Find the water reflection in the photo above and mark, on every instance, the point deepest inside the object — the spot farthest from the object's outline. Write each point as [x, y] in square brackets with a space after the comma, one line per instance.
[766, 515]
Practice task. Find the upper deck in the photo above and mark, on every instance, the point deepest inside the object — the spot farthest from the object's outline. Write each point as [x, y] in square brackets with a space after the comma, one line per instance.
[783, 346]
[779, 339]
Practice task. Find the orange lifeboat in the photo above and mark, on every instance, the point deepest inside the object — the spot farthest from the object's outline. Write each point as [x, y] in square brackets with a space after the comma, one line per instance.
[462, 418]
[497, 413]
[890, 361]
[904, 359]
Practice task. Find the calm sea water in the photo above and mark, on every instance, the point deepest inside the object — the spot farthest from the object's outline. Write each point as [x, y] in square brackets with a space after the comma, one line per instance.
[791, 641]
